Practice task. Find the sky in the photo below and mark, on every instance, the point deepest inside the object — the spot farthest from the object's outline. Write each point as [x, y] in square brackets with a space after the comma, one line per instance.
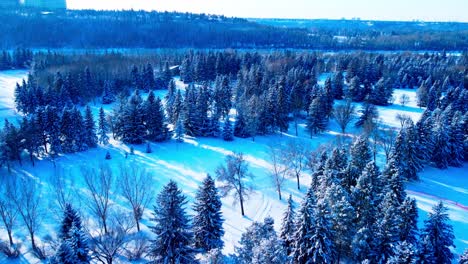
[426, 10]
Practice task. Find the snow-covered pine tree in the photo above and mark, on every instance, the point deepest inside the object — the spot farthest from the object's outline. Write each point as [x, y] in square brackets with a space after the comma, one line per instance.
[108, 155]
[90, 129]
[177, 108]
[208, 220]
[269, 251]
[133, 130]
[154, 118]
[79, 246]
[190, 111]
[317, 118]
[440, 138]
[52, 124]
[108, 96]
[288, 226]
[404, 253]
[67, 131]
[456, 140]
[301, 252]
[79, 131]
[387, 233]
[179, 131]
[437, 235]
[321, 236]
[70, 218]
[240, 127]
[369, 113]
[172, 228]
[252, 238]
[227, 131]
[360, 153]
[409, 224]
[342, 217]
[170, 100]
[464, 257]
[103, 128]
[366, 196]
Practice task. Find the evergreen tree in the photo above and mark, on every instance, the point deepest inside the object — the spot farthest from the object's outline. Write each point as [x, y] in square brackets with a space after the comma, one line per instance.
[464, 257]
[269, 251]
[437, 235]
[154, 118]
[317, 119]
[441, 150]
[360, 153]
[79, 245]
[170, 99]
[321, 237]
[252, 238]
[342, 218]
[409, 223]
[368, 114]
[288, 226]
[70, 219]
[240, 127]
[456, 140]
[404, 253]
[132, 130]
[103, 128]
[108, 96]
[208, 220]
[172, 228]
[387, 232]
[179, 131]
[90, 129]
[227, 131]
[301, 252]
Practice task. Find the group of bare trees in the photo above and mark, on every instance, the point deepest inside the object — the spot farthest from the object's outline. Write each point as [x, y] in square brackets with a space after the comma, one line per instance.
[286, 161]
[21, 202]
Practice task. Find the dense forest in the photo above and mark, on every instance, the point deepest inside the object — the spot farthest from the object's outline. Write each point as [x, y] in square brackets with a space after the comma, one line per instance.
[353, 210]
[140, 29]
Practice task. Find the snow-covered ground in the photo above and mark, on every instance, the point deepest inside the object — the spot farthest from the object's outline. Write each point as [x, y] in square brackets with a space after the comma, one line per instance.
[188, 163]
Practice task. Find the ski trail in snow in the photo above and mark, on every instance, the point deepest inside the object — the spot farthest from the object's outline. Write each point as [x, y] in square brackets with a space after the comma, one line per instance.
[459, 205]
[263, 210]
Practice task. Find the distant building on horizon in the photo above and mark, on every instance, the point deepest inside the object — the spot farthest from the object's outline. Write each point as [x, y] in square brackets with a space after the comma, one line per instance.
[45, 4]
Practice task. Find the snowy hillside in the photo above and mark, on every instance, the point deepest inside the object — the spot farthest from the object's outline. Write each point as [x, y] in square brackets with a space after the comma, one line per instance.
[188, 163]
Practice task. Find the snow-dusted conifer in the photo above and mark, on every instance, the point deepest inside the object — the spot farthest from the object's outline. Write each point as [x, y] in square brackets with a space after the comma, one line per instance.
[172, 228]
[227, 130]
[208, 220]
[288, 226]
[437, 235]
[90, 129]
[103, 128]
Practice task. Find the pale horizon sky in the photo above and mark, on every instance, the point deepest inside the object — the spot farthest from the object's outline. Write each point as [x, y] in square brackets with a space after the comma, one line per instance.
[408, 10]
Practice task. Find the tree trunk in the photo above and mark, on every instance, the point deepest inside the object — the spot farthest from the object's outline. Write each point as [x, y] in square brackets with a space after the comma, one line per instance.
[137, 224]
[298, 184]
[33, 243]
[10, 237]
[31, 157]
[242, 205]
[279, 192]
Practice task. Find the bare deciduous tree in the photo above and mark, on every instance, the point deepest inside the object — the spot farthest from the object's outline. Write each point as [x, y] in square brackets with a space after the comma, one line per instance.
[28, 202]
[295, 155]
[135, 187]
[99, 183]
[107, 245]
[61, 189]
[234, 175]
[343, 114]
[403, 119]
[404, 99]
[8, 211]
[279, 168]
[387, 140]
